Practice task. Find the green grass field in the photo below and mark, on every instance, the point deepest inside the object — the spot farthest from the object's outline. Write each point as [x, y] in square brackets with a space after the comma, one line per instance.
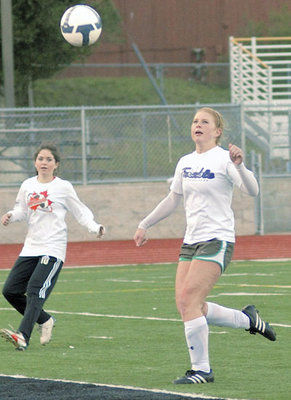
[119, 325]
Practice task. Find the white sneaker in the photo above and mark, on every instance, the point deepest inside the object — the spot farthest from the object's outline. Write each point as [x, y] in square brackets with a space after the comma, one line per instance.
[46, 330]
[16, 338]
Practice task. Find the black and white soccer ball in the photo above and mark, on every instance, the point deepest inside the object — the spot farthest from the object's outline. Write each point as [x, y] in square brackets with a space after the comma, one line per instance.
[81, 25]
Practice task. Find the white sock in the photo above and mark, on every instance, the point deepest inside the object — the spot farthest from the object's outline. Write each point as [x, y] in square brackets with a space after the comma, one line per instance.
[196, 333]
[223, 316]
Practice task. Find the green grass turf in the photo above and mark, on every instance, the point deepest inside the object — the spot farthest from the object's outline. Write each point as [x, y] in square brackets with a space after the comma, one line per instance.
[140, 352]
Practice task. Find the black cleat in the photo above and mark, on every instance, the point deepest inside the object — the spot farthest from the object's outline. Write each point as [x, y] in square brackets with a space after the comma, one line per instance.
[257, 325]
[192, 376]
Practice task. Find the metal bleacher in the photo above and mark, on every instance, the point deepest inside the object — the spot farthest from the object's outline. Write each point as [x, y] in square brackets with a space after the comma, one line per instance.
[260, 71]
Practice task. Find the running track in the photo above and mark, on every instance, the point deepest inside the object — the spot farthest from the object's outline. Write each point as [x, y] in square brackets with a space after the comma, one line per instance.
[155, 251]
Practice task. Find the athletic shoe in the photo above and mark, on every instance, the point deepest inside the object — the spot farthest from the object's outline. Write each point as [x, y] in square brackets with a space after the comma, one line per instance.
[192, 376]
[46, 330]
[16, 338]
[257, 325]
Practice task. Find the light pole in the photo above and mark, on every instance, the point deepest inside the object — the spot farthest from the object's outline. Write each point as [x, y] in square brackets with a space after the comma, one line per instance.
[7, 53]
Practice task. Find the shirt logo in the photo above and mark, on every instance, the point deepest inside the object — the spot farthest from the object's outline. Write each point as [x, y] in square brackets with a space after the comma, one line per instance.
[203, 173]
[39, 201]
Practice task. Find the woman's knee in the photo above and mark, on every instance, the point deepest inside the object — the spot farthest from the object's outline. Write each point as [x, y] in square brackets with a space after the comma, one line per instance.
[7, 289]
[189, 298]
[4, 292]
[7, 292]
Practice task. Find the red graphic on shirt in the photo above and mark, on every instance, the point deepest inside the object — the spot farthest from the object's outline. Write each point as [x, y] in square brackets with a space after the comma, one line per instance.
[39, 201]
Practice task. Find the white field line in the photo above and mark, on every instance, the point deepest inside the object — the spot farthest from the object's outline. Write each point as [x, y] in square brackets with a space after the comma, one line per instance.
[259, 260]
[216, 285]
[97, 315]
[191, 395]
[253, 285]
[245, 294]
[159, 263]
[246, 274]
[128, 281]
[87, 314]
[100, 337]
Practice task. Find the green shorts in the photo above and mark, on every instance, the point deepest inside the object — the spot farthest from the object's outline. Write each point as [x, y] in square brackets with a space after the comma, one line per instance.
[214, 250]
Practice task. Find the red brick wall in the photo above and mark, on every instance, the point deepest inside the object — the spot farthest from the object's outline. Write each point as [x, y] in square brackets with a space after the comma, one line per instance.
[168, 30]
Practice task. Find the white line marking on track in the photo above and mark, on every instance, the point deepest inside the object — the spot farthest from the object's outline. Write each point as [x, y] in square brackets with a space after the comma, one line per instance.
[191, 395]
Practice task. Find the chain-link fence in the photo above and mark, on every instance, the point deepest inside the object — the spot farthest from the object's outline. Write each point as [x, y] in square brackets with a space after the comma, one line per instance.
[126, 144]
[206, 73]
[103, 144]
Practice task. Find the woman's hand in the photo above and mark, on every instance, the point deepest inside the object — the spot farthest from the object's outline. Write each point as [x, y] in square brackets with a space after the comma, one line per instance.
[101, 232]
[5, 219]
[96, 228]
[140, 237]
[236, 154]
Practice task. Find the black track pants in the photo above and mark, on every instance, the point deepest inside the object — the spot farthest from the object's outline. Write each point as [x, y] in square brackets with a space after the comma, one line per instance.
[28, 286]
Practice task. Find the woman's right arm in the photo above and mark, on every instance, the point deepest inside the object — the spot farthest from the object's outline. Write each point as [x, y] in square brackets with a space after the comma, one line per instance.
[19, 211]
[162, 210]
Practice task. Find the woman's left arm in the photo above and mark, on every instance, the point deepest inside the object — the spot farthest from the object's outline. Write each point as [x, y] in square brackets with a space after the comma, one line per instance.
[249, 183]
[82, 213]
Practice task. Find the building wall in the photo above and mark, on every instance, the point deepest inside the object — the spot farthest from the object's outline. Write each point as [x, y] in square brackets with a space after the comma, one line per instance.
[120, 208]
[169, 30]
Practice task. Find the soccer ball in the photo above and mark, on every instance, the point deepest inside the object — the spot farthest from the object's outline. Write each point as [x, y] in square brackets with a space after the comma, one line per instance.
[81, 25]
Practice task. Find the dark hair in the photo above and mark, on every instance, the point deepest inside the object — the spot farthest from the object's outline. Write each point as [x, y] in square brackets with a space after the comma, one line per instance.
[52, 148]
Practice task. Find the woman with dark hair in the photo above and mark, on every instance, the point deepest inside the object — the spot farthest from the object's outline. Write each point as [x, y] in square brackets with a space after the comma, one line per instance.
[42, 202]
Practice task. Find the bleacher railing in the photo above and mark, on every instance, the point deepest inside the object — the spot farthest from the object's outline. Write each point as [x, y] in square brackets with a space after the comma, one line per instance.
[260, 69]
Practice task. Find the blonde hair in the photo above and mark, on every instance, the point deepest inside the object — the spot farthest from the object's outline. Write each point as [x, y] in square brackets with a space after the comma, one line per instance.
[218, 119]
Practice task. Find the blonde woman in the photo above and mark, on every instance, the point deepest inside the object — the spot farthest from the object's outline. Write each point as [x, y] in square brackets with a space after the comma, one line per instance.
[205, 180]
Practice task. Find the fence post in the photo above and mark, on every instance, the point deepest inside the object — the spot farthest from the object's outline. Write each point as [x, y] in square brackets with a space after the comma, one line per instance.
[144, 146]
[242, 124]
[259, 213]
[232, 70]
[84, 154]
[289, 142]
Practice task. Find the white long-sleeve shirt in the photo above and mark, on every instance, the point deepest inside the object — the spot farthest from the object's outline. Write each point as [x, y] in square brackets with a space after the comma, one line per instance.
[206, 181]
[44, 206]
